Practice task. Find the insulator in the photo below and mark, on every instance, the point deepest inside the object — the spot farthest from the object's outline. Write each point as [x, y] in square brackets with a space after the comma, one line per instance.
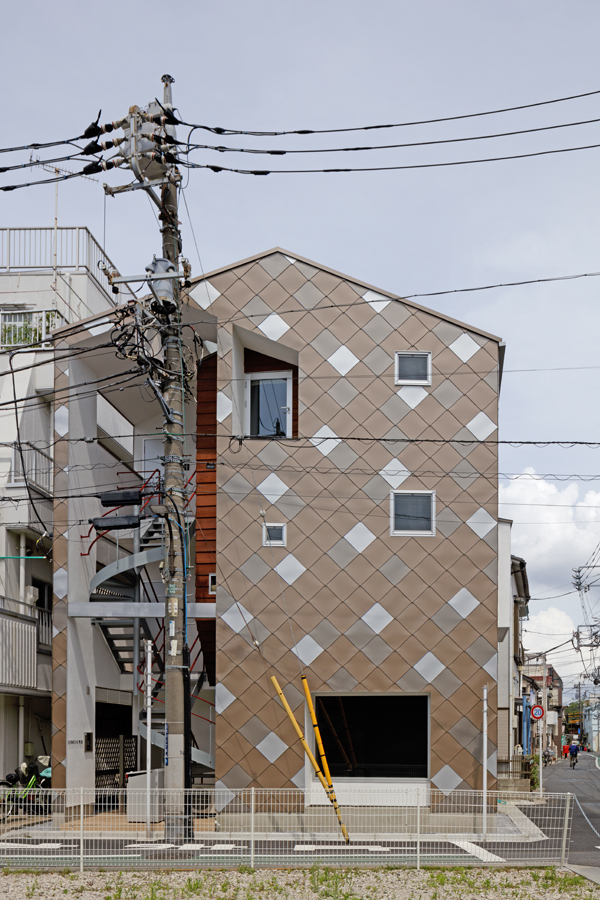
[168, 119]
[101, 165]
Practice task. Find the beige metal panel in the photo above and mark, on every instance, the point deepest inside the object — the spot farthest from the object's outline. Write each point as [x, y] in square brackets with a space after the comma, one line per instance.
[17, 652]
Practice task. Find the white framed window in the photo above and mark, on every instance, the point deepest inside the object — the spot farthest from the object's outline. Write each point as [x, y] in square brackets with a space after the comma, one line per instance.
[212, 583]
[268, 404]
[412, 368]
[412, 512]
[274, 535]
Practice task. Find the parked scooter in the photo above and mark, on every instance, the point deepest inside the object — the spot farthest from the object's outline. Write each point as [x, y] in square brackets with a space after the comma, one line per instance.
[25, 789]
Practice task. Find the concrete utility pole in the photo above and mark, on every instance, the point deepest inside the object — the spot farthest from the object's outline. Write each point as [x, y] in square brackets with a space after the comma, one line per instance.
[177, 770]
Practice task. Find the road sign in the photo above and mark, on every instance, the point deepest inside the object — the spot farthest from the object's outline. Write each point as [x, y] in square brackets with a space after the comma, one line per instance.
[537, 712]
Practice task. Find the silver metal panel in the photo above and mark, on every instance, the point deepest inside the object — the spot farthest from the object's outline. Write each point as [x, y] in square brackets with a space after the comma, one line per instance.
[18, 640]
[117, 610]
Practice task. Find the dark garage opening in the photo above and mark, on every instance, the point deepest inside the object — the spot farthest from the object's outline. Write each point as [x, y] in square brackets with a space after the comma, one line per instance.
[375, 737]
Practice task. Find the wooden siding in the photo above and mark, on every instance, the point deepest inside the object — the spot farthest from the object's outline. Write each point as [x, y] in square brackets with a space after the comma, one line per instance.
[206, 504]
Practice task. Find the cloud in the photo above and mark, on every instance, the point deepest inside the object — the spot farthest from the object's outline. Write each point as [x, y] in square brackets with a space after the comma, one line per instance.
[556, 528]
[550, 628]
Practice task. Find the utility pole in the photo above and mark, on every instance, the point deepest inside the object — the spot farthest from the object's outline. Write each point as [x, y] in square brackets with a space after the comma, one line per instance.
[542, 723]
[176, 683]
[147, 148]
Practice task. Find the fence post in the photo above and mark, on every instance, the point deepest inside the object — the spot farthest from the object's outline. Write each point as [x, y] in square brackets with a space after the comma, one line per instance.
[563, 854]
[251, 828]
[418, 828]
[81, 830]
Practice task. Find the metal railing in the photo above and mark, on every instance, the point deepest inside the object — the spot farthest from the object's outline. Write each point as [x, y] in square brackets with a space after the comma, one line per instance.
[15, 606]
[200, 827]
[43, 616]
[39, 248]
[39, 467]
[44, 627]
[22, 328]
[514, 767]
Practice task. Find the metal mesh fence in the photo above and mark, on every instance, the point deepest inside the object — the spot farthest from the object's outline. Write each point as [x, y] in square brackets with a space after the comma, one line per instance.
[137, 828]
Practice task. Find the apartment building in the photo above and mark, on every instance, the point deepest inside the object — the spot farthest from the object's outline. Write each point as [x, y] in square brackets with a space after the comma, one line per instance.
[48, 278]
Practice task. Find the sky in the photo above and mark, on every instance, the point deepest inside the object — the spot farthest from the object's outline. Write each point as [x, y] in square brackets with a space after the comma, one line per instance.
[322, 64]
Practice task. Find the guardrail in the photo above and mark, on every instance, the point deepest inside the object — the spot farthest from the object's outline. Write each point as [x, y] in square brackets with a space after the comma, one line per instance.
[37, 248]
[219, 827]
[39, 467]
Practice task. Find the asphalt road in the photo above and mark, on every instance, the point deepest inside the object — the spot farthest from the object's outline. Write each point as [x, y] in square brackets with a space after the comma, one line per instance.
[584, 782]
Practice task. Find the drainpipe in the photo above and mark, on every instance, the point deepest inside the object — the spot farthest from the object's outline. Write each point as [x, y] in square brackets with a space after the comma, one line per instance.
[136, 645]
[485, 749]
[21, 747]
[22, 549]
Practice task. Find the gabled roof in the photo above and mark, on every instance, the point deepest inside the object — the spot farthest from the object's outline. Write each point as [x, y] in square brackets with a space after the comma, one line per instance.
[368, 287]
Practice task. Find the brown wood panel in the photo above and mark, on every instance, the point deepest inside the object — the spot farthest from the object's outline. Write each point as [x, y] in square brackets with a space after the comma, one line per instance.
[206, 504]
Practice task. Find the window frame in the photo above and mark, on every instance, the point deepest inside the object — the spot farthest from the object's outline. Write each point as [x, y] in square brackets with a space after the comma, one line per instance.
[265, 540]
[212, 584]
[414, 381]
[412, 533]
[283, 374]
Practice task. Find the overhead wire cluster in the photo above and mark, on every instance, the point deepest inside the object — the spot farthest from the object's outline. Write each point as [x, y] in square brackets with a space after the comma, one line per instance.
[162, 147]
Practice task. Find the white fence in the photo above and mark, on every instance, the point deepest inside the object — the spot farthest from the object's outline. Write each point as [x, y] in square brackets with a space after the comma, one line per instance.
[198, 828]
[37, 248]
[39, 467]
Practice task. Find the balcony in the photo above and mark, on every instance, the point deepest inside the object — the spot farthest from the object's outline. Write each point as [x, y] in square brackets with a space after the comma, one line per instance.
[20, 329]
[39, 468]
[67, 249]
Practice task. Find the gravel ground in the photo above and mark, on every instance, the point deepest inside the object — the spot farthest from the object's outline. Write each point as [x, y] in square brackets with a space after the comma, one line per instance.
[297, 884]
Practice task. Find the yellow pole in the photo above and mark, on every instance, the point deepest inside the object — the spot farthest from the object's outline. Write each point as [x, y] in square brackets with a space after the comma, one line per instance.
[331, 791]
[307, 749]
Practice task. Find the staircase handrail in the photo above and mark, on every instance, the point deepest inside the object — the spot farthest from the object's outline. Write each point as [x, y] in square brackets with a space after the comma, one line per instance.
[125, 564]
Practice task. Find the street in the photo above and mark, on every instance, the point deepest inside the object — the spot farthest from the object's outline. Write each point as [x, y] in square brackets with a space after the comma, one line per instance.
[584, 783]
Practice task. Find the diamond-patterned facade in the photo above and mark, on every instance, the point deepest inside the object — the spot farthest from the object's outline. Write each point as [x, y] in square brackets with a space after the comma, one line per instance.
[359, 609]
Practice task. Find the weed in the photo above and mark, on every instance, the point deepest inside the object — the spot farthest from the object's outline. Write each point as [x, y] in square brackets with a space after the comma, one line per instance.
[245, 870]
[31, 889]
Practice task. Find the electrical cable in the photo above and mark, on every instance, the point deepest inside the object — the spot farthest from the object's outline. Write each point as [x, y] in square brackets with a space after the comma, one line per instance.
[399, 440]
[42, 162]
[492, 112]
[460, 162]
[480, 137]
[15, 187]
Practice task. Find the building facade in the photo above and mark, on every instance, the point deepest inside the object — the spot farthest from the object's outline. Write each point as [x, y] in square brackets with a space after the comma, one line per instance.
[345, 528]
[49, 279]
[354, 533]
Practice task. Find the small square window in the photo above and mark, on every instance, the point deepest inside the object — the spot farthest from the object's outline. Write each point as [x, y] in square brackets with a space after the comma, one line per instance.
[412, 512]
[274, 535]
[413, 368]
[269, 404]
[212, 583]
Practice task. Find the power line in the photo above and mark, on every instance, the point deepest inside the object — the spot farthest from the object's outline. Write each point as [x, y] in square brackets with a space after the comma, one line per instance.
[303, 131]
[480, 137]
[460, 162]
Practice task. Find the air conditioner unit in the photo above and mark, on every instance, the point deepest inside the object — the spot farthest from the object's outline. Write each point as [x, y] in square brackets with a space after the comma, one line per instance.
[32, 595]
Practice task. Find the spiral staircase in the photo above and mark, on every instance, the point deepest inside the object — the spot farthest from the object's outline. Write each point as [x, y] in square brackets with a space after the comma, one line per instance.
[127, 580]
